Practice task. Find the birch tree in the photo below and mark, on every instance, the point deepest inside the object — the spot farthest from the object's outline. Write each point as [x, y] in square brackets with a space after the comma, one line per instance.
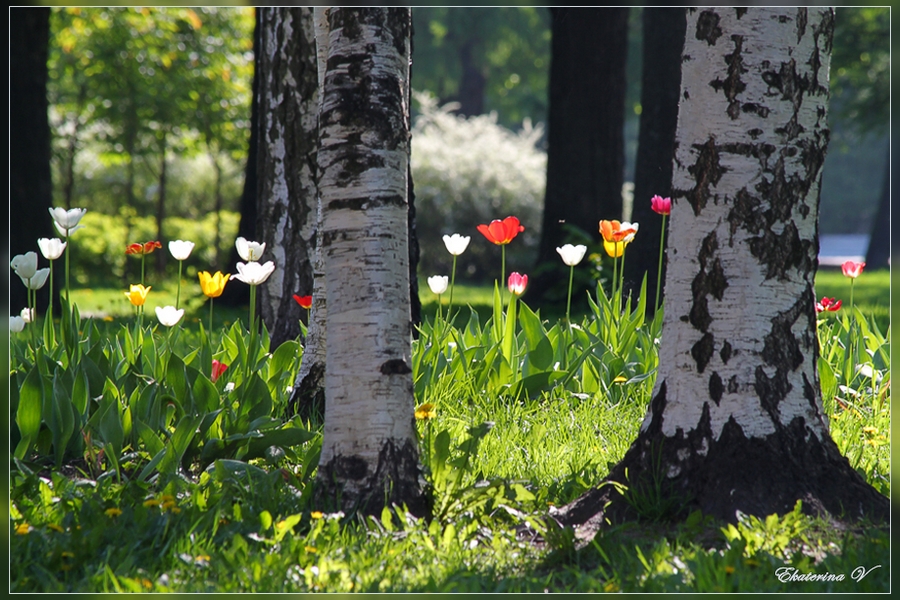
[369, 456]
[287, 204]
[736, 420]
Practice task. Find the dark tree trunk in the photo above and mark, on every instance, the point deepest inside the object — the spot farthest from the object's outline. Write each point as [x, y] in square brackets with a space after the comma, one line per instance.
[286, 164]
[879, 251]
[160, 254]
[218, 201]
[472, 83]
[234, 293]
[586, 157]
[660, 85]
[30, 185]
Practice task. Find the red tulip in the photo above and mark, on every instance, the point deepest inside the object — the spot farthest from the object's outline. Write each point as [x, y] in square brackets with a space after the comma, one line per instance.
[217, 369]
[501, 232]
[852, 269]
[145, 248]
[517, 283]
[304, 301]
[829, 304]
[660, 205]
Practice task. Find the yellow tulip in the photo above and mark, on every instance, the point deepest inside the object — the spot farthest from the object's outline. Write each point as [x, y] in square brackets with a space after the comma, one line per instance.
[137, 294]
[615, 249]
[213, 285]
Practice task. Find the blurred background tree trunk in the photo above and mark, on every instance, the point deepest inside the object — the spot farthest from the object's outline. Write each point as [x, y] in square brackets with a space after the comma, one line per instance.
[586, 154]
[30, 184]
[660, 85]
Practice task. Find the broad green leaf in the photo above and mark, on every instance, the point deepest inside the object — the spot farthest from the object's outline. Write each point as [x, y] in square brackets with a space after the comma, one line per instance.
[28, 413]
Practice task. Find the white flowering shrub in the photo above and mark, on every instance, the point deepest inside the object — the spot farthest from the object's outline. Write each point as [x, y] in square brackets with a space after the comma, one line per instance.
[468, 171]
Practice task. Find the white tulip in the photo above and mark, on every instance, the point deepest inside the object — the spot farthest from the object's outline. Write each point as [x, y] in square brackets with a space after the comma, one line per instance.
[630, 237]
[456, 244]
[51, 248]
[27, 315]
[249, 251]
[67, 219]
[180, 249]
[438, 283]
[25, 265]
[67, 232]
[36, 281]
[169, 315]
[572, 255]
[254, 273]
[16, 324]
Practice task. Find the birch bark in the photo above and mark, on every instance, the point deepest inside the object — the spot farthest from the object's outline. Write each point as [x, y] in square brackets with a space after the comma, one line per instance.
[287, 164]
[369, 456]
[736, 420]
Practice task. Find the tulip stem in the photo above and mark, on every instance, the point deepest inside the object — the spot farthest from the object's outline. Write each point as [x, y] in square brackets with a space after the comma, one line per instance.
[662, 235]
[178, 291]
[503, 264]
[211, 315]
[452, 281]
[68, 245]
[569, 299]
[615, 269]
[622, 281]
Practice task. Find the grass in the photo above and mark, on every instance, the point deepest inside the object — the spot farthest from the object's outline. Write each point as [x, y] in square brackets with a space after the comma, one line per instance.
[496, 460]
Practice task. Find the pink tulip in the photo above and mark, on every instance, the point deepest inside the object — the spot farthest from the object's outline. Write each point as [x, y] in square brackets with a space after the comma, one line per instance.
[217, 369]
[852, 269]
[829, 304]
[517, 283]
[660, 205]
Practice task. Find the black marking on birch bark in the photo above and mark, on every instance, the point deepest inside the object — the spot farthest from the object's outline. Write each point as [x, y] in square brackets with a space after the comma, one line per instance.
[716, 387]
[395, 366]
[802, 20]
[755, 132]
[733, 85]
[812, 397]
[708, 28]
[349, 467]
[710, 279]
[733, 385]
[657, 408]
[706, 172]
[826, 30]
[367, 203]
[725, 352]
[758, 109]
[702, 351]
[740, 12]
[783, 254]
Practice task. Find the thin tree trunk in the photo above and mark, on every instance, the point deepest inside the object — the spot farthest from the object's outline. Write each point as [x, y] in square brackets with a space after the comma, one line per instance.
[736, 421]
[287, 164]
[369, 457]
[878, 253]
[161, 206]
[585, 133]
[660, 86]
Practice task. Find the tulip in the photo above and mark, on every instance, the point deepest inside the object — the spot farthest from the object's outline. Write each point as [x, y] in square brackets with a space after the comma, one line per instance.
[67, 219]
[303, 301]
[137, 294]
[253, 274]
[212, 286]
[852, 270]
[180, 249]
[249, 251]
[571, 255]
[662, 206]
[67, 232]
[16, 324]
[616, 236]
[217, 369]
[517, 283]
[456, 244]
[438, 284]
[51, 248]
[142, 250]
[25, 265]
[27, 315]
[169, 315]
[502, 233]
[828, 304]
[37, 281]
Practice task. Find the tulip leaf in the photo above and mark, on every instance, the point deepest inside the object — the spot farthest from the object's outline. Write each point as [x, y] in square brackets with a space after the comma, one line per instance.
[28, 413]
[62, 418]
[540, 351]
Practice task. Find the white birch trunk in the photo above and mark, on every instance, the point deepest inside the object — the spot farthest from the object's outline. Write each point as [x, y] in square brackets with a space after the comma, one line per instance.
[368, 450]
[736, 420]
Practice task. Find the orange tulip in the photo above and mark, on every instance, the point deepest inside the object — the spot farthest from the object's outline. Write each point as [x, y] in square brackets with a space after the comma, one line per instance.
[501, 232]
